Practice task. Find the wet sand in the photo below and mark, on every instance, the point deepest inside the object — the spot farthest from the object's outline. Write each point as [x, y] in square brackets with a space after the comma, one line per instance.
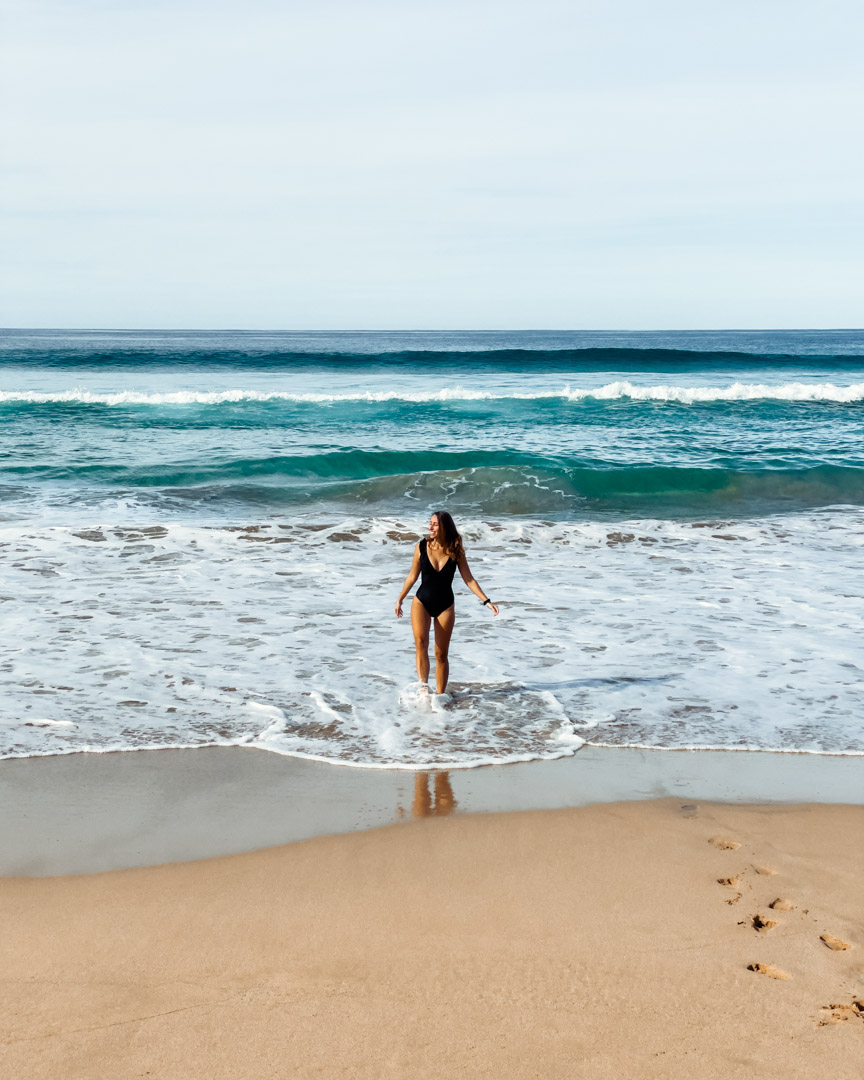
[638, 939]
[85, 813]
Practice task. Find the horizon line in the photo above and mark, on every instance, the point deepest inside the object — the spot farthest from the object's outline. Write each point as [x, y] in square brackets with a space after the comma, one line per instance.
[421, 330]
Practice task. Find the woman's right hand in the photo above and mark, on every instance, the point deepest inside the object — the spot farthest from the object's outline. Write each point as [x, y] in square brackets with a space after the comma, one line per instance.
[398, 609]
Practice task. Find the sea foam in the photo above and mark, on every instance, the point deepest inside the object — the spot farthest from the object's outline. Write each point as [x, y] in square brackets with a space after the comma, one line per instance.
[687, 395]
[743, 635]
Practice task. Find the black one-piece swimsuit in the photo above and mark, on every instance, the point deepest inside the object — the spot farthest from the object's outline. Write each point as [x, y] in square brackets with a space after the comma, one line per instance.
[436, 586]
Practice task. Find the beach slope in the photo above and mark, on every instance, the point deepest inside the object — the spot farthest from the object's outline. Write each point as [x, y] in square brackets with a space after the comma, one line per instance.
[624, 940]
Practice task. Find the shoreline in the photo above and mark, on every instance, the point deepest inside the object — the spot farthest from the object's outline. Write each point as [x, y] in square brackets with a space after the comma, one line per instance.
[92, 813]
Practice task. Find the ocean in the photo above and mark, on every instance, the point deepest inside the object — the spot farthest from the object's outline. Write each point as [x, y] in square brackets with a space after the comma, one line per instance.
[203, 535]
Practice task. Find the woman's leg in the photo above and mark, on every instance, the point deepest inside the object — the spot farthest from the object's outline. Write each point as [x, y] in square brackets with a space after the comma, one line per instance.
[420, 620]
[443, 630]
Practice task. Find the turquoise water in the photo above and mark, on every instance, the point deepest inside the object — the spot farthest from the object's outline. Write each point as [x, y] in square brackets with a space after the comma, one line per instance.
[145, 471]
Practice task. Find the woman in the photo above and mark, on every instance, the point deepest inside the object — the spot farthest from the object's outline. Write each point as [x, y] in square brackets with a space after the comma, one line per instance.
[437, 558]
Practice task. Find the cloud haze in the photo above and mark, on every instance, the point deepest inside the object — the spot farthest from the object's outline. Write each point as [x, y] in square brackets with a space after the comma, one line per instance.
[477, 165]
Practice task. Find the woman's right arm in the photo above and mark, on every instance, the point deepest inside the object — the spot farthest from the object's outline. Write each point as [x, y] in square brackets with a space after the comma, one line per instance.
[413, 574]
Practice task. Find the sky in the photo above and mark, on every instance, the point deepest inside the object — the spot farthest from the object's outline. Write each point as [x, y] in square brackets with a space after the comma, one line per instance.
[375, 164]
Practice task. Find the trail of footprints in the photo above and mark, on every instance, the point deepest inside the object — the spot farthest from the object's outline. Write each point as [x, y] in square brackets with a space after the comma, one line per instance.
[762, 923]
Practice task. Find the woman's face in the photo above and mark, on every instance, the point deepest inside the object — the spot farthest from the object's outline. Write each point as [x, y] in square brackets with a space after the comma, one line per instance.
[433, 526]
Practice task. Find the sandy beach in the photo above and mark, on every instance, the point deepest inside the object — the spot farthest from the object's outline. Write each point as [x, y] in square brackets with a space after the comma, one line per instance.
[651, 938]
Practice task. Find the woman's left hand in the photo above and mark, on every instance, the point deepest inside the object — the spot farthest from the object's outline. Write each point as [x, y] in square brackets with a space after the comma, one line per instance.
[492, 607]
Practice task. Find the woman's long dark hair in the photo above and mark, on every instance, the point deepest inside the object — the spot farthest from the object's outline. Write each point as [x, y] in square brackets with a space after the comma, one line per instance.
[448, 535]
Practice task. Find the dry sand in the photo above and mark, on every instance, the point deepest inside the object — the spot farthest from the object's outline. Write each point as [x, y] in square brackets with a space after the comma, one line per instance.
[580, 943]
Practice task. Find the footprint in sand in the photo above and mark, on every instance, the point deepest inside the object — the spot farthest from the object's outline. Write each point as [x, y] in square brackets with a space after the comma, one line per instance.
[765, 871]
[761, 924]
[782, 905]
[837, 1014]
[732, 882]
[834, 943]
[724, 844]
[766, 969]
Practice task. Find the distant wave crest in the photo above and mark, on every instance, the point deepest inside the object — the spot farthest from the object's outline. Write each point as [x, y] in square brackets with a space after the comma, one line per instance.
[621, 390]
[275, 352]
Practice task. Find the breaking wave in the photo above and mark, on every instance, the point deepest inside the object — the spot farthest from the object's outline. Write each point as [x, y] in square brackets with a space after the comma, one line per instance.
[624, 389]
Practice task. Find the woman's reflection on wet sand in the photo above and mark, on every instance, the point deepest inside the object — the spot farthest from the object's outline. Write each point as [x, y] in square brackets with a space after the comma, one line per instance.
[429, 803]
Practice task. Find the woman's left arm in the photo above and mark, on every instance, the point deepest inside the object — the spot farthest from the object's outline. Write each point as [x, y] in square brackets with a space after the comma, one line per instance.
[468, 578]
